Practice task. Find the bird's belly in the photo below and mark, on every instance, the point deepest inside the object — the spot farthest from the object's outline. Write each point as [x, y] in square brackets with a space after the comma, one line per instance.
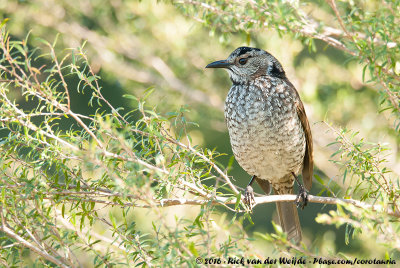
[269, 147]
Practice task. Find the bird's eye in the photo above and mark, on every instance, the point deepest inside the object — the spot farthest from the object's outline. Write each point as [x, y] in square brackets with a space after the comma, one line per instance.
[243, 61]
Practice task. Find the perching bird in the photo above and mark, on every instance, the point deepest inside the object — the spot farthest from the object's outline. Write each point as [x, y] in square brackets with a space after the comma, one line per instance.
[268, 128]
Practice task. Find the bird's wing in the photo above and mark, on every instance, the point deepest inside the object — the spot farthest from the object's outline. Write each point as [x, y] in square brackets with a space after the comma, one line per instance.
[308, 163]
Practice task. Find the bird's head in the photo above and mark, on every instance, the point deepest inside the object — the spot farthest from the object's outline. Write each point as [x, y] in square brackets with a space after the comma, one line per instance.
[247, 63]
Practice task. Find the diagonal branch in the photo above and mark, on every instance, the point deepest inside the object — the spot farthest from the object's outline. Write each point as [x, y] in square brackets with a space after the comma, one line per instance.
[9, 232]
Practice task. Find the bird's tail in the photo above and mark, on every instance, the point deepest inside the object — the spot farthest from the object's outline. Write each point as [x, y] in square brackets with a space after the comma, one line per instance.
[289, 220]
[287, 211]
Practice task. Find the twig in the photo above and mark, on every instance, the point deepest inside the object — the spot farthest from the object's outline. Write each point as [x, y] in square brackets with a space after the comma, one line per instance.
[27, 244]
[58, 65]
[205, 158]
[332, 3]
[349, 144]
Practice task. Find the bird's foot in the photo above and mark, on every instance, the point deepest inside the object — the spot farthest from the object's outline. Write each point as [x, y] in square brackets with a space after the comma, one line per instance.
[249, 197]
[302, 197]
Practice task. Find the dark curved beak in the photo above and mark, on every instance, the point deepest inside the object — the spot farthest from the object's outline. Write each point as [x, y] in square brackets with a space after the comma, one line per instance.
[219, 64]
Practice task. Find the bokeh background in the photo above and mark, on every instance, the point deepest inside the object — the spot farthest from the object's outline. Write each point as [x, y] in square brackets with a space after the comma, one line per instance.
[134, 45]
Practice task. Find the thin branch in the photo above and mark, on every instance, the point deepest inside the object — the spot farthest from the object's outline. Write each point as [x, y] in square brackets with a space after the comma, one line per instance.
[80, 122]
[392, 98]
[346, 142]
[27, 244]
[205, 158]
[332, 3]
[105, 153]
[58, 65]
[280, 198]
[231, 201]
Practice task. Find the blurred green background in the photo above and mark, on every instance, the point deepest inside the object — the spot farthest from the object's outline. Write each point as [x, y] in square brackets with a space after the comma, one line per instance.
[134, 45]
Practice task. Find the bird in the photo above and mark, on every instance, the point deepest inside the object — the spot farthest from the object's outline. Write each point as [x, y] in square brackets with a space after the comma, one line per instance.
[269, 131]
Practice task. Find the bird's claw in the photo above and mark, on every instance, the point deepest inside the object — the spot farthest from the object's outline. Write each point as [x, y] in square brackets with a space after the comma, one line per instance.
[249, 197]
[302, 198]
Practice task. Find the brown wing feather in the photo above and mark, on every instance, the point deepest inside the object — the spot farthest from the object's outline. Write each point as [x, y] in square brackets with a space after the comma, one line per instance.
[308, 163]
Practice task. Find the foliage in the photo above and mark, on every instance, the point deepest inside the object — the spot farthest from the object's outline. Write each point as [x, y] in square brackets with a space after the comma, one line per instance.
[365, 30]
[127, 184]
[56, 184]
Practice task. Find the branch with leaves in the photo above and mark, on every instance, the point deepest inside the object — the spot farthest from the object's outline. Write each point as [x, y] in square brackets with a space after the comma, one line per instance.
[45, 166]
[64, 173]
[367, 34]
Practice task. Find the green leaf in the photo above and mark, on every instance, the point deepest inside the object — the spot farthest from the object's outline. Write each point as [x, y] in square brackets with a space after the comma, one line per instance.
[238, 200]
[128, 96]
[248, 39]
[192, 248]
[73, 57]
[112, 219]
[318, 178]
[248, 217]
[55, 40]
[82, 222]
[4, 22]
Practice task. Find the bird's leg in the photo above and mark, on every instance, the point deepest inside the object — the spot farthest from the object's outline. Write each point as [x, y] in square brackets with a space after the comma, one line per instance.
[302, 196]
[249, 194]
